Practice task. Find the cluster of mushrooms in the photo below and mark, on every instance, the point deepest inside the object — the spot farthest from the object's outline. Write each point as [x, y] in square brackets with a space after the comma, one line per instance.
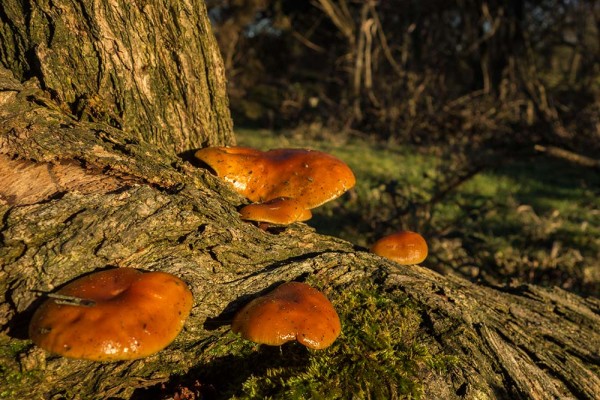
[84, 319]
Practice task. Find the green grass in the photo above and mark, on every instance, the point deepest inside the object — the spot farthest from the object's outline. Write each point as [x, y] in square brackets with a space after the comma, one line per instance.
[533, 220]
[367, 159]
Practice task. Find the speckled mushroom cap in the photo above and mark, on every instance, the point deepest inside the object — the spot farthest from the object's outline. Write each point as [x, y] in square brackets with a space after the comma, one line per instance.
[279, 211]
[311, 177]
[404, 247]
[293, 311]
[129, 315]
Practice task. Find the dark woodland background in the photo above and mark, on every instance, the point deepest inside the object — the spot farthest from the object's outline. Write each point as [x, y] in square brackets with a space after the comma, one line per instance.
[504, 73]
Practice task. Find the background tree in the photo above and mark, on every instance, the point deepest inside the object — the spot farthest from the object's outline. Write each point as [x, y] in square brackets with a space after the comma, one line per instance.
[97, 100]
[509, 73]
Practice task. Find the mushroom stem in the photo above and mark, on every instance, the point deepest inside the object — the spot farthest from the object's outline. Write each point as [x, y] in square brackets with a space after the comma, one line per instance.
[264, 225]
[71, 300]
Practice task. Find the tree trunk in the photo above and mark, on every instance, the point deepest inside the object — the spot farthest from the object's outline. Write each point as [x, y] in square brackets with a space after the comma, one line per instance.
[138, 66]
[81, 191]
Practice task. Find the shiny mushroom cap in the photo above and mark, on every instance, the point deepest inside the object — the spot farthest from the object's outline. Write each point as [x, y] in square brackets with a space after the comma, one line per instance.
[279, 211]
[123, 314]
[311, 177]
[404, 247]
[293, 311]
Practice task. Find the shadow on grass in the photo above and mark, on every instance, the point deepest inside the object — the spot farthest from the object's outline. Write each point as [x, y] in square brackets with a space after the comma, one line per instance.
[535, 220]
[543, 181]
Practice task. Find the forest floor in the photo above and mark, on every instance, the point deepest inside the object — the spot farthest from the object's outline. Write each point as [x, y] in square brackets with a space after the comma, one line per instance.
[526, 219]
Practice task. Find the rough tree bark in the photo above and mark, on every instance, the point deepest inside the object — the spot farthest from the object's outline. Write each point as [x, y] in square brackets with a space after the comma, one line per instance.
[139, 66]
[97, 98]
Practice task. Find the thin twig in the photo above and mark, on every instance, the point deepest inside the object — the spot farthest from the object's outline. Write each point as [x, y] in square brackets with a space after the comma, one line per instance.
[71, 300]
[568, 155]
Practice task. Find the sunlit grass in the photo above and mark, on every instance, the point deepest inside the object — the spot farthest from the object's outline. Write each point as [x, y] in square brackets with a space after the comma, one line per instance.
[368, 159]
[535, 219]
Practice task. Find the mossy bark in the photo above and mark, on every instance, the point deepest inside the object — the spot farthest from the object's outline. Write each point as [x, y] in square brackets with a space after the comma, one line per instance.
[133, 202]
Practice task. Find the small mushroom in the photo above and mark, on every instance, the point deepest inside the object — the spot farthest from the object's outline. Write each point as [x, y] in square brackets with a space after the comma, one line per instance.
[118, 314]
[293, 311]
[311, 177]
[404, 247]
[279, 211]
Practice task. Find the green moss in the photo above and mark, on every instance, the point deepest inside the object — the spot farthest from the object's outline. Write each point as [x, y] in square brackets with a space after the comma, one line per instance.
[381, 353]
[14, 382]
[11, 348]
[378, 355]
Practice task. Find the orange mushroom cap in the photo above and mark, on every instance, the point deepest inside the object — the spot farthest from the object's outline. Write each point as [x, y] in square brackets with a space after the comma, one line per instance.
[129, 315]
[293, 311]
[309, 176]
[280, 211]
[404, 247]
